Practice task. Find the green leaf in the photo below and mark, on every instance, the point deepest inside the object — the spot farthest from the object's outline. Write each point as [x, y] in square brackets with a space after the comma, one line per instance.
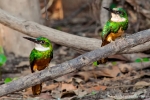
[3, 59]
[7, 80]
[95, 63]
[14, 78]
[145, 59]
[138, 60]
[114, 63]
[93, 92]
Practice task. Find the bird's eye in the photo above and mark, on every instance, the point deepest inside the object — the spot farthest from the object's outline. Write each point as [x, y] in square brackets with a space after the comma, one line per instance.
[118, 12]
[42, 42]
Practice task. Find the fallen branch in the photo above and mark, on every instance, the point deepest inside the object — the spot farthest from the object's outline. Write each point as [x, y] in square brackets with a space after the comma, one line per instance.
[74, 64]
[34, 29]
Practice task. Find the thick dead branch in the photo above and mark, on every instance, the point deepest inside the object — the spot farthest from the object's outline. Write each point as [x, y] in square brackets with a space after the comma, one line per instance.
[33, 29]
[74, 64]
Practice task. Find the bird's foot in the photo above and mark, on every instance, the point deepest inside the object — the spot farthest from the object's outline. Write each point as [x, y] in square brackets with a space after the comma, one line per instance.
[35, 70]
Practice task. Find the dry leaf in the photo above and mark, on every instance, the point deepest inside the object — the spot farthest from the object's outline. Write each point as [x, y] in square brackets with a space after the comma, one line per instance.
[67, 87]
[50, 87]
[27, 92]
[78, 80]
[141, 84]
[96, 88]
[125, 68]
[56, 94]
[80, 92]
[85, 75]
[68, 94]
[110, 72]
[43, 96]
[57, 10]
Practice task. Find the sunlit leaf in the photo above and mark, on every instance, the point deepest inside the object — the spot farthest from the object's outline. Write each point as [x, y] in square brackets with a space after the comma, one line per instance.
[145, 59]
[7, 80]
[95, 63]
[138, 60]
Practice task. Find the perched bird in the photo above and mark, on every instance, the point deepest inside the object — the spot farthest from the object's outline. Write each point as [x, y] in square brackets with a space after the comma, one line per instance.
[40, 58]
[114, 27]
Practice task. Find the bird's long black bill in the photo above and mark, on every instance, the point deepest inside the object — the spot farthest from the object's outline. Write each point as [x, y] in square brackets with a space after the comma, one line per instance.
[31, 39]
[109, 9]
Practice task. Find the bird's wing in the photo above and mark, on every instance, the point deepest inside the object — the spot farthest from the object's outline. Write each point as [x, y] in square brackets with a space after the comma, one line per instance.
[106, 30]
[32, 60]
[51, 54]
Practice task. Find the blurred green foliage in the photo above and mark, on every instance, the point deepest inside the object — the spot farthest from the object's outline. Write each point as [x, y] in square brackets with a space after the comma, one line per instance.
[95, 63]
[93, 92]
[113, 5]
[114, 63]
[142, 60]
[3, 58]
[8, 79]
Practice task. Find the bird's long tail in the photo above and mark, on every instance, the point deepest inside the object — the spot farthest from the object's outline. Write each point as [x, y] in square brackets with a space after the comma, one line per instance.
[103, 60]
[36, 90]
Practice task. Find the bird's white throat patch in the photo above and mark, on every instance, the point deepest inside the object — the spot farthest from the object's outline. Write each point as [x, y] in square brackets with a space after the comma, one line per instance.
[116, 18]
[39, 47]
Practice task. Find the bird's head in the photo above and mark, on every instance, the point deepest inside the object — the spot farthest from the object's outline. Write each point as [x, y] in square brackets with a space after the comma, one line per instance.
[118, 14]
[41, 43]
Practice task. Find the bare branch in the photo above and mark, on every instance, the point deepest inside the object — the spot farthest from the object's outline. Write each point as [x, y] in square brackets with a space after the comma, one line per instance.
[34, 29]
[75, 64]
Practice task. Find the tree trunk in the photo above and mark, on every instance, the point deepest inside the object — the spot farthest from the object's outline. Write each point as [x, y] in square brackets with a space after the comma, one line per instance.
[10, 39]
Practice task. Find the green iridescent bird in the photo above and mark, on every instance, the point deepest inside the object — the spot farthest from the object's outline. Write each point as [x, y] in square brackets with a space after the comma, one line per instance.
[114, 27]
[40, 58]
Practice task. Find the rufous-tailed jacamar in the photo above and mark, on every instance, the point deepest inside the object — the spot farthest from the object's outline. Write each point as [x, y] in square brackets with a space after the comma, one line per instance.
[114, 27]
[40, 58]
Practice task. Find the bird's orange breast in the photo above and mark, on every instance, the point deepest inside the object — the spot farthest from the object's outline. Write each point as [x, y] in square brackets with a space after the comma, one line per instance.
[112, 36]
[41, 64]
